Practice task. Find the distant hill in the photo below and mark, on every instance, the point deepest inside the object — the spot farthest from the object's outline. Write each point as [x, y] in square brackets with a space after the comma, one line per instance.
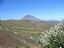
[32, 18]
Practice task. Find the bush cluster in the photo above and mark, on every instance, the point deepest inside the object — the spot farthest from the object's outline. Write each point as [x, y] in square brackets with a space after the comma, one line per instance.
[53, 38]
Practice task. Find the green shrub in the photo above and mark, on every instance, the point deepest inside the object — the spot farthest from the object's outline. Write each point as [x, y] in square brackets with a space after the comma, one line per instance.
[53, 38]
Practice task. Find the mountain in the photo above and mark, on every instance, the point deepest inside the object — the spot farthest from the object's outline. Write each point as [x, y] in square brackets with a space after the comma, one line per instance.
[30, 17]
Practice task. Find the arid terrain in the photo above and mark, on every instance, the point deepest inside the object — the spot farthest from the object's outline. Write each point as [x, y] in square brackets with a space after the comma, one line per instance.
[24, 32]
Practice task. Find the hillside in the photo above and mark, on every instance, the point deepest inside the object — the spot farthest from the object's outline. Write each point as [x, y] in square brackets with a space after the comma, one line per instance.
[23, 31]
[24, 26]
[9, 39]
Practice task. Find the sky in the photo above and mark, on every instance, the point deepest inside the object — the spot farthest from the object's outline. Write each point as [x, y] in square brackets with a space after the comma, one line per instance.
[42, 9]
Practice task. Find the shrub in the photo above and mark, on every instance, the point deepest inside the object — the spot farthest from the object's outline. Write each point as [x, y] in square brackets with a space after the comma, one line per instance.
[53, 38]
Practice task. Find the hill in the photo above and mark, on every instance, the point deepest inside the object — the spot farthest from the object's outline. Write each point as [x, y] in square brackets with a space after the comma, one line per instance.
[24, 31]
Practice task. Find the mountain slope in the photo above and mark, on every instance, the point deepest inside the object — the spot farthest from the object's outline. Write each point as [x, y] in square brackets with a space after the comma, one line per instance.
[23, 32]
[8, 38]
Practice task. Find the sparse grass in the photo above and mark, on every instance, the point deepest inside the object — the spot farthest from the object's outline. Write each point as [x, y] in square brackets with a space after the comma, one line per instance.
[25, 28]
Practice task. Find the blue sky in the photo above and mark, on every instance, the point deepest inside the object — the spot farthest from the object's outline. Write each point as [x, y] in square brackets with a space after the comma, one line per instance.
[42, 9]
